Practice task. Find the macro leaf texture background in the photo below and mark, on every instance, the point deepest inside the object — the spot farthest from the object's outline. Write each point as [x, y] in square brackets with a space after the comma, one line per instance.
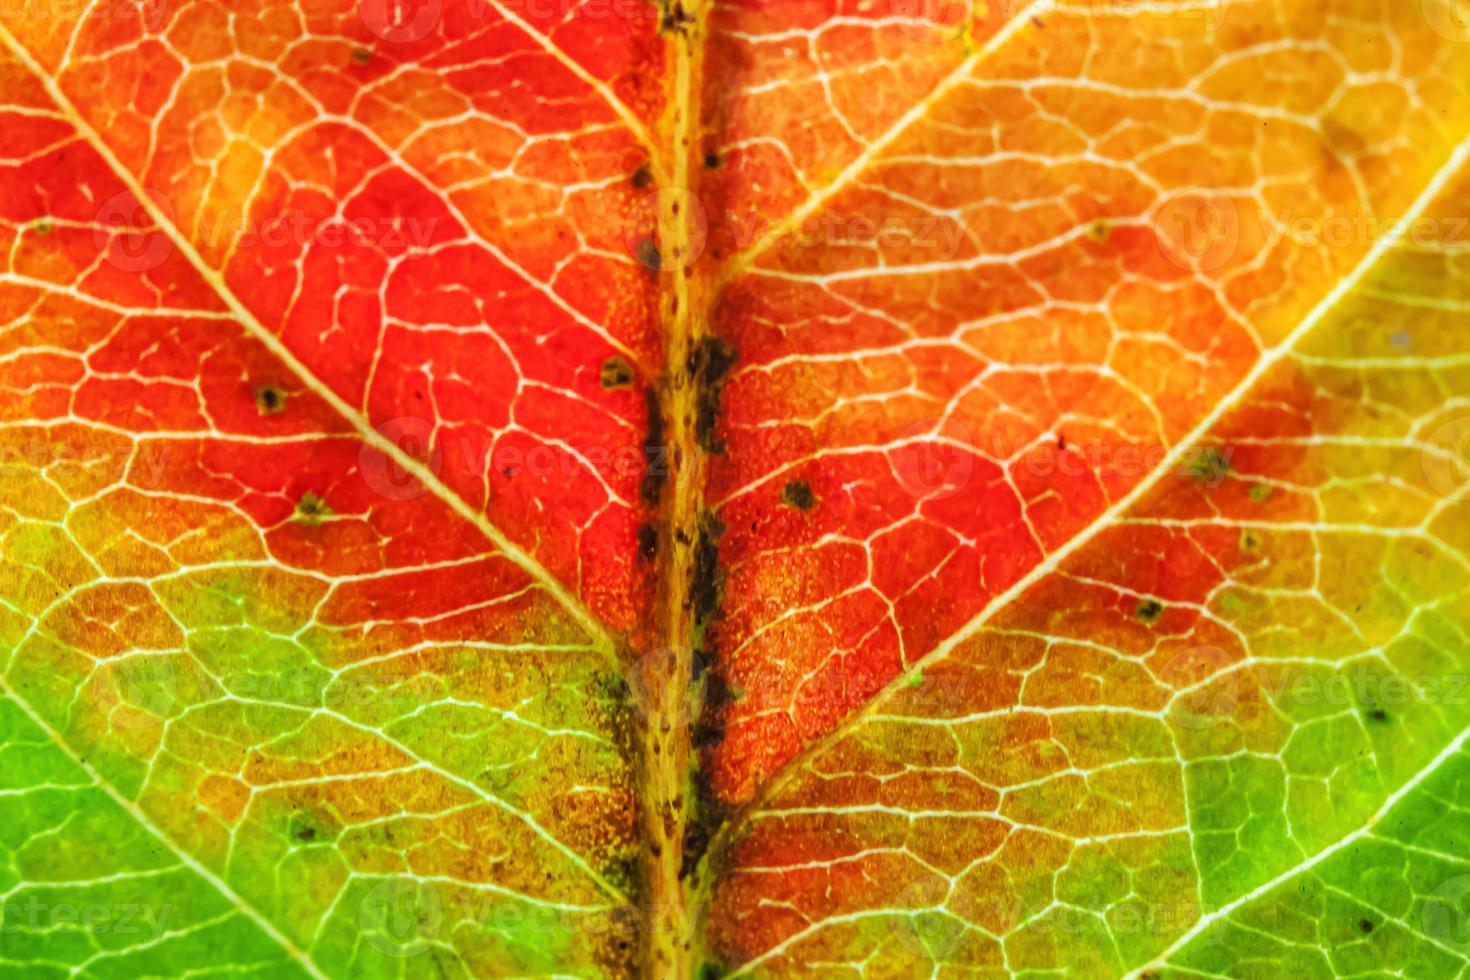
[740, 488]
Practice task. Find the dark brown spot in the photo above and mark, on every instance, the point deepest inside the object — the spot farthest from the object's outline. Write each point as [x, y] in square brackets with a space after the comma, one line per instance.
[655, 453]
[647, 542]
[675, 19]
[709, 362]
[616, 373]
[269, 400]
[798, 494]
[707, 588]
[311, 509]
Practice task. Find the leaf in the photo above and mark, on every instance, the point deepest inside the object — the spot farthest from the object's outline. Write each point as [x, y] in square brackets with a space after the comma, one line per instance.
[493, 488]
[274, 399]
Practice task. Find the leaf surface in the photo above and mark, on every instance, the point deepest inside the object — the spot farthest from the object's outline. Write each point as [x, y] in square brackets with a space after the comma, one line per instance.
[769, 489]
[357, 708]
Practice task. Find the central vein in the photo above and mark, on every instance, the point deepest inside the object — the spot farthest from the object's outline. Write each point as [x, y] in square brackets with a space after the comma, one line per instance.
[665, 673]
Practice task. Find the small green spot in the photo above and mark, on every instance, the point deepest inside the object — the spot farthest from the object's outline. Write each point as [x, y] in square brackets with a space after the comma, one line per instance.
[1232, 603]
[798, 494]
[269, 400]
[1260, 492]
[43, 227]
[311, 509]
[1149, 610]
[1208, 466]
[916, 679]
[616, 373]
[361, 56]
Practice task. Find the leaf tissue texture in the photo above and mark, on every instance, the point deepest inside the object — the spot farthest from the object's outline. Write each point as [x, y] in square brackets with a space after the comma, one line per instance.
[735, 488]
